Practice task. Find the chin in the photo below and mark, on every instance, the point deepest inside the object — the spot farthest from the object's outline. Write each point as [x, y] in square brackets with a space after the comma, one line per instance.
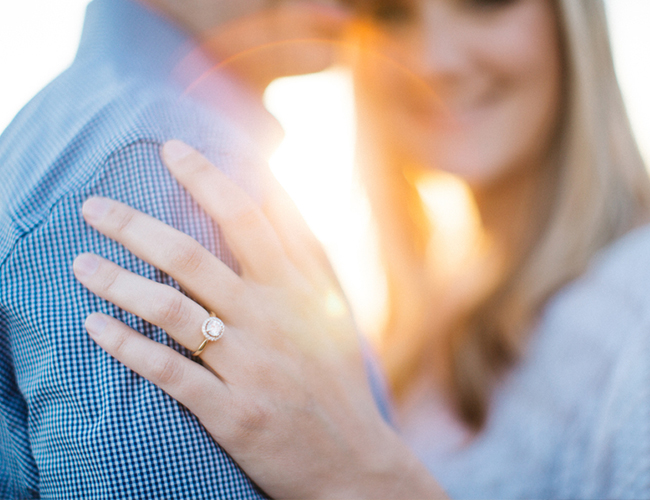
[467, 163]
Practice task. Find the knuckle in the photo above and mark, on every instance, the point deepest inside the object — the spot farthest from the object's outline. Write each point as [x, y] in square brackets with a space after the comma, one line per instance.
[119, 342]
[265, 374]
[254, 415]
[186, 256]
[123, 219]
[170, 310]
[253, 418]
[109, 278]
[166, 370]
[247, 215]
[199, 165]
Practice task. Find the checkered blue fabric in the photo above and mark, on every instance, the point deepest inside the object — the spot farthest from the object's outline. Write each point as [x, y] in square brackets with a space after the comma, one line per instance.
[75, 423]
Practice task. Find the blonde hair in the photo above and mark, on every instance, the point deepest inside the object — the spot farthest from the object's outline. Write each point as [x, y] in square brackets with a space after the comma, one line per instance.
[600, 191]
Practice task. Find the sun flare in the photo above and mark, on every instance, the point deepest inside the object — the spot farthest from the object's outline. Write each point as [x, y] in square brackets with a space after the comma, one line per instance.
[315, 164]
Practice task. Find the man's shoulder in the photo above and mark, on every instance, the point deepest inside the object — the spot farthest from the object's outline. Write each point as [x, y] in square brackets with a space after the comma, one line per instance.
[72, 142]
[103, 128]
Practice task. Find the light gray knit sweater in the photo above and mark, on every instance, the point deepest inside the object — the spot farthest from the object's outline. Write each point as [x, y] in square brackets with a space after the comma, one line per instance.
[573, 419]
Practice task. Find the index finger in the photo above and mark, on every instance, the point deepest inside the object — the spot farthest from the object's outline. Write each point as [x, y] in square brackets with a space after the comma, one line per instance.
[249, 233]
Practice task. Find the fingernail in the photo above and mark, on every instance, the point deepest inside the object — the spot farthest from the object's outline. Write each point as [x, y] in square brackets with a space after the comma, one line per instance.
[85, 265]
[175, 151]
[95, 208]
[95, 324]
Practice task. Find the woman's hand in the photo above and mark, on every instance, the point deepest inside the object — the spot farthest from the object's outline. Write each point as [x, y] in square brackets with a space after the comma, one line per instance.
[285, 390]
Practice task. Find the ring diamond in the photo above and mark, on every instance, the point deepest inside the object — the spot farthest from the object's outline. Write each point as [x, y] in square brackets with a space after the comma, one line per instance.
[213, 328]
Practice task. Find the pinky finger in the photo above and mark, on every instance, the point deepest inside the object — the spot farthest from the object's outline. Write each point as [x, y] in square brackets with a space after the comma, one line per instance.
[189, 383]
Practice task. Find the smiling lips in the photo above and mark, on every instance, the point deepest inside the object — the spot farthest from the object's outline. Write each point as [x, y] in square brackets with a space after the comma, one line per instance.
[453, 112]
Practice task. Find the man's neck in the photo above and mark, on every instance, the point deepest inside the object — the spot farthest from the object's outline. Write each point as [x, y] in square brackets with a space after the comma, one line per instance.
[199, 17]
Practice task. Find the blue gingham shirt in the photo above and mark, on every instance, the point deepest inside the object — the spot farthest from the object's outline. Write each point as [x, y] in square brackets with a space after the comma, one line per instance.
[74, 422]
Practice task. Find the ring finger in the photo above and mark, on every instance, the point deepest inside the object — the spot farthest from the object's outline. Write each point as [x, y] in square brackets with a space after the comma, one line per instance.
[163, 306]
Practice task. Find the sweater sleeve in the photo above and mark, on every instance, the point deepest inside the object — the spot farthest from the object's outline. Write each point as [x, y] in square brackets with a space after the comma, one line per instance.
[618, 462]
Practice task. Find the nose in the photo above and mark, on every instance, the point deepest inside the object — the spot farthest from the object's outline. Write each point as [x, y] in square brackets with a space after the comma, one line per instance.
[442, 53]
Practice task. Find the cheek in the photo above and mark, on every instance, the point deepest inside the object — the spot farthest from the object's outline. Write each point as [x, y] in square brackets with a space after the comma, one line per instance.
[531, 116]
[515, 61]
[515, 135]
[526, 67]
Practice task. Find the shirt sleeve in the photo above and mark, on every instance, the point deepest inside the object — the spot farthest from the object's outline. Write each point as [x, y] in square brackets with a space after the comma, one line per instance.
[94, 428]
[18, 472]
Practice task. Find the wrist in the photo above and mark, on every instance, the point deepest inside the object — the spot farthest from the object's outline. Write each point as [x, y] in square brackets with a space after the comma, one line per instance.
[387, 470]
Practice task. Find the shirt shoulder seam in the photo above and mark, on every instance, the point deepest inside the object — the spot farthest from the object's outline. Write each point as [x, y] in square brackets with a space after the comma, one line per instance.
[96, 175]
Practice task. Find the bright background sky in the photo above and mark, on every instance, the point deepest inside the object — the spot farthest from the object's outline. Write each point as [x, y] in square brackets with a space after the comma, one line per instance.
[38, 39]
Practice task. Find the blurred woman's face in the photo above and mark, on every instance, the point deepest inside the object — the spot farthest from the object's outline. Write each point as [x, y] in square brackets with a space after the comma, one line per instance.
[472, 87]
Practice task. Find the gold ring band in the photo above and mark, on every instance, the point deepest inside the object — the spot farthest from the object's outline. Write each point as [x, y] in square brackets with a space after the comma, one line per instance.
[201, 347]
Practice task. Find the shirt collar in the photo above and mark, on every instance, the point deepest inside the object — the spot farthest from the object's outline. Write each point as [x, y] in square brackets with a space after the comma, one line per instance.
[141, 41]
[134, 37]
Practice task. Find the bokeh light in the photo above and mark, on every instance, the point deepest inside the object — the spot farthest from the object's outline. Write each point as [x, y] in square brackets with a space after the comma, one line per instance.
[38, 40]
[315, 164]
